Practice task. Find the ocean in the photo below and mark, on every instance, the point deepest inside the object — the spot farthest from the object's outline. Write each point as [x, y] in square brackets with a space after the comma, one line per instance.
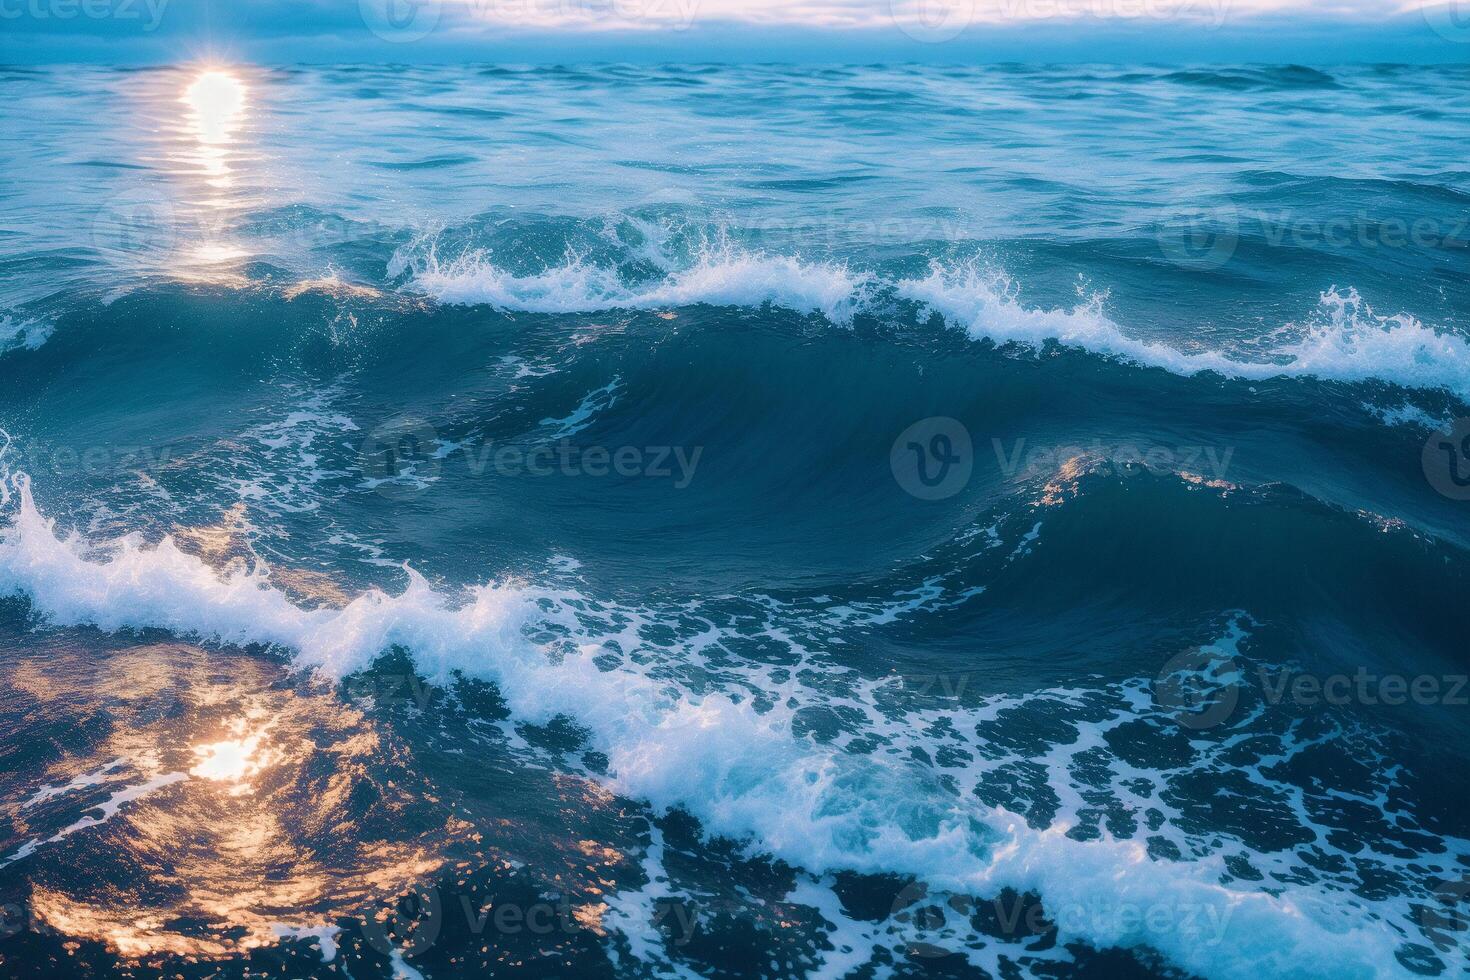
[718, 521]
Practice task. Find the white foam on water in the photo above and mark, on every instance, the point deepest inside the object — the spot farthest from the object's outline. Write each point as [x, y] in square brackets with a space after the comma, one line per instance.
[581, 417]
[281, 468]
[325, 936]
[721, 275]
[23, 334]
[106, 810]
[1408, 415]
[742, 769]
[1344, 341]
[84, 781]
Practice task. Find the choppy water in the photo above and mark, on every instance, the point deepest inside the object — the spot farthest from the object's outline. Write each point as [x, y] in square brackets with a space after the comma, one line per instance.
[734, 522]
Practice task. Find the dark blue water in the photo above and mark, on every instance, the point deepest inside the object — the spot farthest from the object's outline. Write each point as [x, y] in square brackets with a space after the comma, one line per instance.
[735, 522]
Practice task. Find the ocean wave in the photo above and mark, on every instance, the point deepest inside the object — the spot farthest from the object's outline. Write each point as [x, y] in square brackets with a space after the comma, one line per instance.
[1345, 341]
[743, 769]
[719, 276]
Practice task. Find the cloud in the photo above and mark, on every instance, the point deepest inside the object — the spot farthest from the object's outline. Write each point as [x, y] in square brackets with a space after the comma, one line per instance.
[131, 31]
[922, 15]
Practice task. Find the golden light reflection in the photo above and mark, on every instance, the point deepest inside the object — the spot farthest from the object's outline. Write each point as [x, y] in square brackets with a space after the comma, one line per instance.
[270, 835]
[235, 760]
[216, 105]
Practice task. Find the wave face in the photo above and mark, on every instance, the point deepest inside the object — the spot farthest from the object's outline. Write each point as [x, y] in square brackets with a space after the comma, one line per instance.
[826, 533]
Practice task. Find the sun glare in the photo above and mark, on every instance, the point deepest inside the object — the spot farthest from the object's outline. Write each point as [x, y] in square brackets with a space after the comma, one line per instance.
[216, 100]
[234, 761]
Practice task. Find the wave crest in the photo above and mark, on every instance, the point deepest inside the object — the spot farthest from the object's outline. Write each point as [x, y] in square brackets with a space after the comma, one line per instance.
[721, 275]
[1344, 341]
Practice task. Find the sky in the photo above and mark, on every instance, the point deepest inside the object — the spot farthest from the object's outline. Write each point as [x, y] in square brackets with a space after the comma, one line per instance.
[563, 31]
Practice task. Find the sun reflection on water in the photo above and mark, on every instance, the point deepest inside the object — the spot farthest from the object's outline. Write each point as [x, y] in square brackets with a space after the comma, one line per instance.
[217, 105]
[235, 760]
[243, 809]
[216, 100]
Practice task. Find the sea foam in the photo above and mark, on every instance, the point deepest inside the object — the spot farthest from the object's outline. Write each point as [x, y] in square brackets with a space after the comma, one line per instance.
[744, 772]
[22, 334]
[1343, 341]
[720, 276]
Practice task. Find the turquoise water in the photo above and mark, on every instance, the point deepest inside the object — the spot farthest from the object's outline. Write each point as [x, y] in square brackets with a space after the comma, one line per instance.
[611, 521]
